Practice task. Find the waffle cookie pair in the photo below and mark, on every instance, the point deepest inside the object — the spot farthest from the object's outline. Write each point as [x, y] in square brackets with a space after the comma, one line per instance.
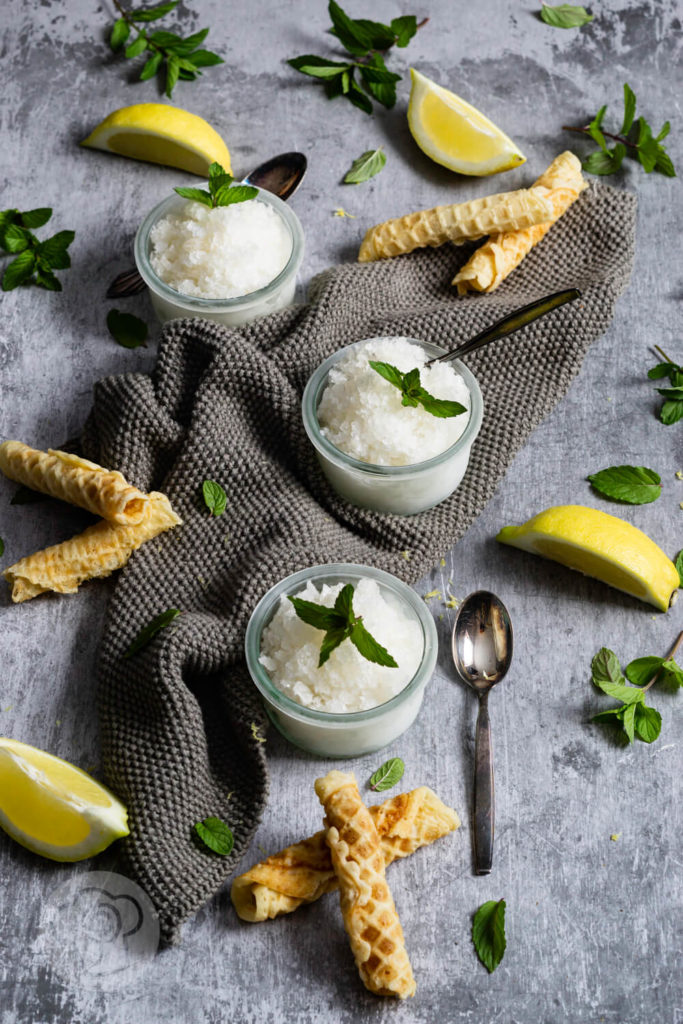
[351, 855]
[514, 222]
[129, 518]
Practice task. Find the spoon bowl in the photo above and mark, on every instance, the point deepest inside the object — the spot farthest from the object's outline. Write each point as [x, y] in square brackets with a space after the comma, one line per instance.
[482, 653]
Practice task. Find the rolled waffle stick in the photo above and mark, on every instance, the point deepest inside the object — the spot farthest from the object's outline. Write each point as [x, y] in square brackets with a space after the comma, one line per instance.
[506, 211]
[303, 872]
[498, 257]
[104, 492]
[98, 551]
[367, 905]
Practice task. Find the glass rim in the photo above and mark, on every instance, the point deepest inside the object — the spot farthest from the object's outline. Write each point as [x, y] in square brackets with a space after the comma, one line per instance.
[267, 606]
[196, 302]
[317, 382]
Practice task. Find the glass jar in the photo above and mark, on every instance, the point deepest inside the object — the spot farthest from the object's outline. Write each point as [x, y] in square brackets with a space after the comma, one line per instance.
[403, 490]
[170, 304]
[350, 734]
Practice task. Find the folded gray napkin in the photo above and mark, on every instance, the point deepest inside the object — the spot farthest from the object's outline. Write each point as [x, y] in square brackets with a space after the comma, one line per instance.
[181, 721]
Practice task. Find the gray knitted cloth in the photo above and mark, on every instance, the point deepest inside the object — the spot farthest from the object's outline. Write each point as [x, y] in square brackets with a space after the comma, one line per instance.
[181, 720]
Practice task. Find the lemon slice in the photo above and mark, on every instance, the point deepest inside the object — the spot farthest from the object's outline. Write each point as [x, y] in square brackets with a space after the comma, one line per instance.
[161, 134]
[599, 545]
[455, 134]
[53, 808]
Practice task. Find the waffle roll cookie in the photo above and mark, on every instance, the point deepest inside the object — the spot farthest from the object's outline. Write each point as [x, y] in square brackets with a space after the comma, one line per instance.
[96, 552]
[367, 905]
[506, 211]
[68, 477]
[303, 872]
[498, 257]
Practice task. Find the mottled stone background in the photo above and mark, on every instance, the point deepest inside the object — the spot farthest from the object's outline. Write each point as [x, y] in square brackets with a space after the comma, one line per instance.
[593, 924]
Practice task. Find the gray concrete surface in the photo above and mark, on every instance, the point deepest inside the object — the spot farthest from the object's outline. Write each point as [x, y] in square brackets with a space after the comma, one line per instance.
[593, 923]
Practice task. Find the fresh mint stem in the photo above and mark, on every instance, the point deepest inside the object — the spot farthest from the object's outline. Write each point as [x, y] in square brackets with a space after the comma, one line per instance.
[669, 657]
[663, 354]
[586, 131]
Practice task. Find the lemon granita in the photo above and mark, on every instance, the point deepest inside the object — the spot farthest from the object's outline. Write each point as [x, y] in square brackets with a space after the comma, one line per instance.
[362, 414]
[219, 253]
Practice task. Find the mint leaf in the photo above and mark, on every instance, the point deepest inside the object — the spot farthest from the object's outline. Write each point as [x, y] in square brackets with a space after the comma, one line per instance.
[343, 604]
[605, 162]
[119, 33]
[215, 498]
[127, 330]
[404, 28]
[137, 47]
[371, 650]
[197, 195]
[606, 716]
[18, 271]
[332, 639]
[671, 412]
[365, 166]
[46, 279]
[672, 674]
[215, 834]
[641, 671]
[629, 109]
[605, 668]
[218, 176]
[150, 630]
[151, 66]
[16, 238]
[318, 67]
[565, 16]
[675, 392]
[663, 370]
[648, 723]
[153, 13]
[317, 615]
[629, 721]
[354, 37]
[56, 246]
[389, 372]
[229, 194]
[488, 933]
[679, 566]
[36, 218]
[441, 407]
[204, 58]
[172, 74]
[387, 775]
[664, 163]
[379, 81]
[633, 485]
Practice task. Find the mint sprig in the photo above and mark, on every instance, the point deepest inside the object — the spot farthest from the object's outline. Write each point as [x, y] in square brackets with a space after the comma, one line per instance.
[35, 261]
[366, 40]
[168, 54]
[633, 485]
[635, 137]
[488, 933]
[672, 410]
[412, 392]
[221, 190]
[341, 623]
[635, 716]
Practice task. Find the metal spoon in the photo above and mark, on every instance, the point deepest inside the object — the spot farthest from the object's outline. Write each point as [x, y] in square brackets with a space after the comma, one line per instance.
[482, 652]
[511, 323]
[280, 175]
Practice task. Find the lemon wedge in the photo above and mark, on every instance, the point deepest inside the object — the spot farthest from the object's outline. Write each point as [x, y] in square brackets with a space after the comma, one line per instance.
[455, 134]
[161, 134]
[601, 546]
[53, 808]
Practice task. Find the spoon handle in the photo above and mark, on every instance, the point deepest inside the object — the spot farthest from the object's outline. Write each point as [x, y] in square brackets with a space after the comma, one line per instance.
[484, 797]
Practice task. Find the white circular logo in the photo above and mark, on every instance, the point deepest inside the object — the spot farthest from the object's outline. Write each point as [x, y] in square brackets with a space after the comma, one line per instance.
[98, 926]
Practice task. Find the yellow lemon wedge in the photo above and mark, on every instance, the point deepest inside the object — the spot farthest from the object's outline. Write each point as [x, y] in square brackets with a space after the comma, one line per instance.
[599, 545]
[456, 134]
[161, 134]
[53, 808]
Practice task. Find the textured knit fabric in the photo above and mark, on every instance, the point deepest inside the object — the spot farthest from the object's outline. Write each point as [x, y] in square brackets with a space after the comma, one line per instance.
[181, 722]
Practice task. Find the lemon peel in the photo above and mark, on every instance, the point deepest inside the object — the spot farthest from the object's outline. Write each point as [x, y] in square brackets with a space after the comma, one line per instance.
[455, 134]
[599, 545]
[161, 134]
[53, 808]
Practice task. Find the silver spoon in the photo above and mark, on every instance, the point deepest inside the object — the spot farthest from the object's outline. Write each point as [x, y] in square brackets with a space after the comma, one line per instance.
[482, 652]
[511, 323]
[280, 175]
